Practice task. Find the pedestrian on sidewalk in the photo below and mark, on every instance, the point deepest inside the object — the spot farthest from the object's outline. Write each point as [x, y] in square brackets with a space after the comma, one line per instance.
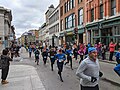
[5, 67]
[103, 50]
[111, 49]
[60, 57]
[89, 71]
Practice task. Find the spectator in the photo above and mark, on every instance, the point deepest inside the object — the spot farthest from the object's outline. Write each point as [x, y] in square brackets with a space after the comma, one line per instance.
[5, 68]
[111, 49]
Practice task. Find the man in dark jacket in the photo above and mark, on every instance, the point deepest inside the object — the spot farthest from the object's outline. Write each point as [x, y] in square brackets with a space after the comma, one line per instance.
[5, 67]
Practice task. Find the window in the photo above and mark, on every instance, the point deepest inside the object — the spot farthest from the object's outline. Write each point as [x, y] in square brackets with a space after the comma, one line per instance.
[101, 11]
[61, 25]
[61, 11]
[65, 7]
[70, 21]
[92, 15]
[113, 7]
[117, 30]
[69, 5]
[95, 33]
[80, 17]
[79, 1]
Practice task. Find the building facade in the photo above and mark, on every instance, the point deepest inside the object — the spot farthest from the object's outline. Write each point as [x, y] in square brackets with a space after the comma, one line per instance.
[54, 27]
[102, 20]
[71, 21]
[5, 27]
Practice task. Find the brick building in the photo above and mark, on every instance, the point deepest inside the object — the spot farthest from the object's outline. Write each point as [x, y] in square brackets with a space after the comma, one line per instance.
[102, 20]
[95, 20]
[71, 19]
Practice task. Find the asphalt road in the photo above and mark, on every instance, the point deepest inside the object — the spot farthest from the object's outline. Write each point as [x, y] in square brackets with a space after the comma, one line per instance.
[51, 80]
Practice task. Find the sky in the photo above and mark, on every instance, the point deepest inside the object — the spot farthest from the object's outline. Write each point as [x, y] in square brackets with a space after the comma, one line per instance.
[27, 14]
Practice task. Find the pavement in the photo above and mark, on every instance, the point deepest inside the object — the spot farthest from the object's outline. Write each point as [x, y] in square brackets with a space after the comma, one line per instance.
[25, 77]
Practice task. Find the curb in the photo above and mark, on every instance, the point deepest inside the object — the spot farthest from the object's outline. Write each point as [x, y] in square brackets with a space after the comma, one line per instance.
[110, 81]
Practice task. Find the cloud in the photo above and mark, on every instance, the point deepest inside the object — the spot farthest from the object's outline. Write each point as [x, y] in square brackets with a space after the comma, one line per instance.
[28, 14]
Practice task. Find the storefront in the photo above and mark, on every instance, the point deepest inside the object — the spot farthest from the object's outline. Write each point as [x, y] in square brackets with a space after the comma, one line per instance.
[104, 31]
[69, 37]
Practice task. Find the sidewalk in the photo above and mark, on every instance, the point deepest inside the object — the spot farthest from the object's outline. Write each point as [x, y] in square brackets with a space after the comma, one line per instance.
[22, 77]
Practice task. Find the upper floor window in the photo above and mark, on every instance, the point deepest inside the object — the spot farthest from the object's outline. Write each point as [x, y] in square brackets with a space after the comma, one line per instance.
[61, 23]
[113, 7]
[65, 5]
[61, 11]
[101, 11]
[79, 1]
[72, 4]
[80, 17]
[92, 15]
[70, 21]
[69, 5]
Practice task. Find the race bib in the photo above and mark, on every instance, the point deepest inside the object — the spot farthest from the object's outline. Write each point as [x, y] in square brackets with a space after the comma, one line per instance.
[81, 53]
[60, 60]
[45, 57]
[37, 54]
[70, 54]
[52, 56]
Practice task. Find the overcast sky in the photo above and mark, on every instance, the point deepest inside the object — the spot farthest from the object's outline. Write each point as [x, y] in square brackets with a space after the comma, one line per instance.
[27, 14]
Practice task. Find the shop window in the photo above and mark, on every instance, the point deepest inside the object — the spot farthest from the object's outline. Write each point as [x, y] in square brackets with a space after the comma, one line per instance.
[117, 30]
[95, 33]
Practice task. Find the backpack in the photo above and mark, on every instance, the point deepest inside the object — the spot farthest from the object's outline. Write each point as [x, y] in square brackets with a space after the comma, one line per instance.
[3, 62]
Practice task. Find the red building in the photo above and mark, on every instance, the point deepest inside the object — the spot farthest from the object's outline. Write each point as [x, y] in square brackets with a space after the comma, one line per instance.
[71, 18]
[102, 20]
